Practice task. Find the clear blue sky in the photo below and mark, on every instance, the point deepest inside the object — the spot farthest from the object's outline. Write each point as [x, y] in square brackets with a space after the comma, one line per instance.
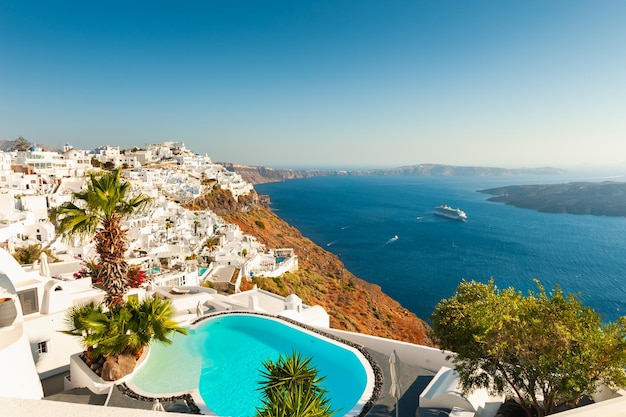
[339, 83]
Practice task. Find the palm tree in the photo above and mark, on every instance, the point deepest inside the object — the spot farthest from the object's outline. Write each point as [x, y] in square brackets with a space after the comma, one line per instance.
[291, 389]
[98, 212]
[123, 329]
[153, 322]
[168, 225]
[89, 322]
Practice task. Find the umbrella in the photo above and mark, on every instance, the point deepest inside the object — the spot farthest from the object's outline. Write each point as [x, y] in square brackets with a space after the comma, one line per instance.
[395, 389]
[199, 309]
[157, 406]
[44, 268]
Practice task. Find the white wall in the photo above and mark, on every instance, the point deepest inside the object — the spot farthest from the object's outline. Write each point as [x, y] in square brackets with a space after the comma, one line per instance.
[18, 377]
[46, 328]
[426, 357]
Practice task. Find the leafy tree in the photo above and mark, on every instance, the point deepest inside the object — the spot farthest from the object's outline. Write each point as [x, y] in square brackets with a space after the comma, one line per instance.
[109, 165]
[548, 350]
[98, 212]
[21, 144]
[291, 389]
[31, 253]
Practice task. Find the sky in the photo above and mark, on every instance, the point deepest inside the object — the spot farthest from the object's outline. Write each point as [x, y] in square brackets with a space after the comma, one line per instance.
[322, 83]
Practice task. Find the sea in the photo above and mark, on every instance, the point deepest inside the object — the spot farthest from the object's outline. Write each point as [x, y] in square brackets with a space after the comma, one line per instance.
[383, 228]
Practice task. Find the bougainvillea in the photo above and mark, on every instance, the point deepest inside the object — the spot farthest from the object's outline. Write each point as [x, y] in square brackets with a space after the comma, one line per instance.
[136, 276]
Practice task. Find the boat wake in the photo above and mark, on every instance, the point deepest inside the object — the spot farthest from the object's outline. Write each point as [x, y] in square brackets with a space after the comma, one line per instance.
[330, 243]
[393, 239]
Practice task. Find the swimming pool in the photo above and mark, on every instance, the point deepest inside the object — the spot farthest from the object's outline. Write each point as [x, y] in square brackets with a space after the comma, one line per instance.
[222, 357]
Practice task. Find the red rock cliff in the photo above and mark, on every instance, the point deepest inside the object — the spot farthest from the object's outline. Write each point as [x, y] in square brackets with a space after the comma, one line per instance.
[353, 304]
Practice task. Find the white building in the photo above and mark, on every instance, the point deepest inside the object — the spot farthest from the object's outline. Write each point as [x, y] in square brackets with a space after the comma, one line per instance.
[232, 181]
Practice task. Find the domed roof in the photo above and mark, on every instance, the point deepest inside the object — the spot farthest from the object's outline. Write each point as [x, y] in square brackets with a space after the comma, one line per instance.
[292, 297]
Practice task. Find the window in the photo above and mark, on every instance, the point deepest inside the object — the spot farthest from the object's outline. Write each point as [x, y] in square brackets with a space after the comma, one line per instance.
[42, 347]
[29, 301]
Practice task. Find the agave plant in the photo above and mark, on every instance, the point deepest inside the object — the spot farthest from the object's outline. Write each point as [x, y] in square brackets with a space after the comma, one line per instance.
[291, 388]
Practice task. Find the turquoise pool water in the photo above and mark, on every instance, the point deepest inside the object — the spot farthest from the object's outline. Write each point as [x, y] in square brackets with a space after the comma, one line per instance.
[222, 358]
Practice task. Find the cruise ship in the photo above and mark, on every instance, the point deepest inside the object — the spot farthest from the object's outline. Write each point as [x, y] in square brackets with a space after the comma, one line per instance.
[451, 213]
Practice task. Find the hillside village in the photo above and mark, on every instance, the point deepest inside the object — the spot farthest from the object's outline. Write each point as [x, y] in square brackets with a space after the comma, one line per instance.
[176, 246]
[169, 246]
[191, 257]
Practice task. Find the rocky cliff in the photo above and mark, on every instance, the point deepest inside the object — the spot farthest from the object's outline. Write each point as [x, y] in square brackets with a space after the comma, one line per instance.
[352, 303]
[260, 174]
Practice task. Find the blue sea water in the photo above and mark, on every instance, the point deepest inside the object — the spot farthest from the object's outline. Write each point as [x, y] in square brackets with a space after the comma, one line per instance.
[358, 218]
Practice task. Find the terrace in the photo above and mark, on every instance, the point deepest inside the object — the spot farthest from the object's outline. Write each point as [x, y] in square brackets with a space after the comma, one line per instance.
[416, 369]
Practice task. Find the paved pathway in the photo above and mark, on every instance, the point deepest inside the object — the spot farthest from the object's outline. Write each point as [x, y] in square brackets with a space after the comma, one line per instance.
[413, 380]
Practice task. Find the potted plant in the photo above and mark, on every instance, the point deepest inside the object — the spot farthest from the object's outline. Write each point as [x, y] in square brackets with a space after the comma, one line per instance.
[8, 312]
[115, 338]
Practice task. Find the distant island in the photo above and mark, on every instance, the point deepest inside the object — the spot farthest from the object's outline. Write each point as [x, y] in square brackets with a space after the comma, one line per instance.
[596, 198]
[261, 174]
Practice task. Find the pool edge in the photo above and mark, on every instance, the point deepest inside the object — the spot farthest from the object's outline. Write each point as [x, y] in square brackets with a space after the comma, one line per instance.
[197, 405]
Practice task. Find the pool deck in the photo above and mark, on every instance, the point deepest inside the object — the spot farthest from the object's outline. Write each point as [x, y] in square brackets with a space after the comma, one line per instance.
[413, 379]
[53, 391]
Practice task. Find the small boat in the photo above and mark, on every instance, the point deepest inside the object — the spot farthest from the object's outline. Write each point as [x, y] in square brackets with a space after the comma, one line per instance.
[451, 213]
[393, 239]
